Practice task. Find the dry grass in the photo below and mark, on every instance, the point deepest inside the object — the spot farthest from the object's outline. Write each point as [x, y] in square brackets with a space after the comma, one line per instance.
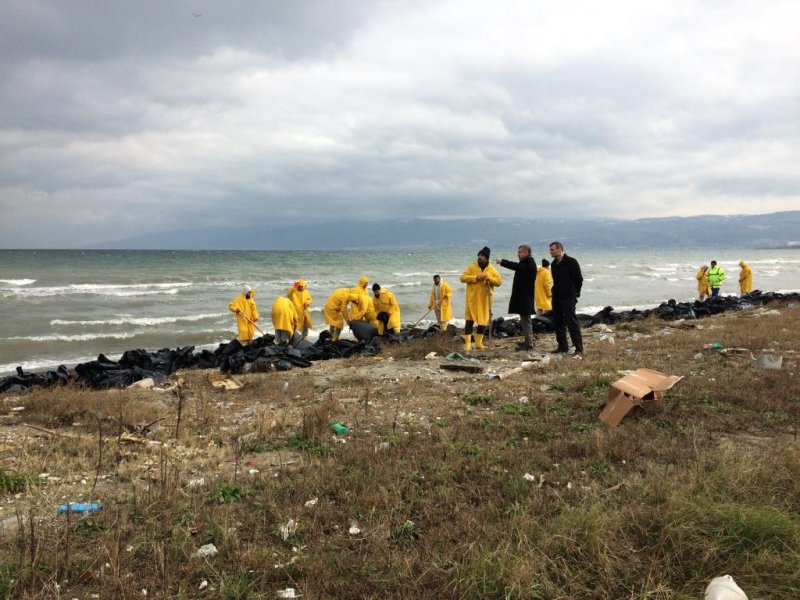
[432, 475]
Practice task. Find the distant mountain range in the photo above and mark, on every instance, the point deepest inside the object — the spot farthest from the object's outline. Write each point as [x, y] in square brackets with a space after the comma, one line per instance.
[775, 230]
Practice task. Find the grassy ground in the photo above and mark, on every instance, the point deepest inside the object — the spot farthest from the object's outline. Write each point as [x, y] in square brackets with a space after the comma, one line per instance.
[447, 486]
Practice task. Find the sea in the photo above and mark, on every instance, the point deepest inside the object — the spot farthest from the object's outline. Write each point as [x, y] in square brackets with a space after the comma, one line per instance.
[68, 306]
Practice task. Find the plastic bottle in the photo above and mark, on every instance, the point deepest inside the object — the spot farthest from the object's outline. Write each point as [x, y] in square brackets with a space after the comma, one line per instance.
[79, 507]
[340, 429]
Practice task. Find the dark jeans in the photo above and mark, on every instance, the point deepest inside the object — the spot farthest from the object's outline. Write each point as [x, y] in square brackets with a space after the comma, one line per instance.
[564, 318]
[715, 292]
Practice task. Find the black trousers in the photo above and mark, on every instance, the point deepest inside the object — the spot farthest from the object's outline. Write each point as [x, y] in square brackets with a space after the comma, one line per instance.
[564, 318]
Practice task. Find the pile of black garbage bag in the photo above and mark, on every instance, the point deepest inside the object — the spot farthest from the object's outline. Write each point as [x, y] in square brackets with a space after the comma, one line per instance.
[263, 355]
[260, 355]
[667, 311]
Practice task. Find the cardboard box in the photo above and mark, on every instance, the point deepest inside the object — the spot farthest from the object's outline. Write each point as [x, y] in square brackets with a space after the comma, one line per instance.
[643, 387]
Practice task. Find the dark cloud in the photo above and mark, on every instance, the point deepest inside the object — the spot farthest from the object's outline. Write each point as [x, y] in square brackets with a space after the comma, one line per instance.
[117, 119]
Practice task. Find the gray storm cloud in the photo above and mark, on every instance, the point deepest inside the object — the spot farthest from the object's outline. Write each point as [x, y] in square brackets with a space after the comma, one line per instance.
[121, 118]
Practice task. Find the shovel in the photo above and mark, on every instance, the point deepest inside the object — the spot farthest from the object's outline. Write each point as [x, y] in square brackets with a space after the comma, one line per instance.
[241, 314]
[422, 317]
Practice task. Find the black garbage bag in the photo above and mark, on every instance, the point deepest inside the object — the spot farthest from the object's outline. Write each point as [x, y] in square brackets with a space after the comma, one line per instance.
[206, 360]
[364, 331]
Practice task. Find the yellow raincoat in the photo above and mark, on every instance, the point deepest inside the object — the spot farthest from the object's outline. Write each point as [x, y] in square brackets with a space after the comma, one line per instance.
[247, 329]
[703, 288]
[445, 293]
[387, 303]
[543, 290]
[284, 316]
[480, 293]
[336, 306]
[745, 278]
[301, 300]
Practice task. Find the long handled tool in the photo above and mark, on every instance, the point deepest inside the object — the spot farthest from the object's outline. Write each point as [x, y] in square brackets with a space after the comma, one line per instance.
[422, 317]
[246, 318]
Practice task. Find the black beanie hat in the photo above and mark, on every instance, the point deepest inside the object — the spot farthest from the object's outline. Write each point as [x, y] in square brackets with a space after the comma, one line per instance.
[485, 252]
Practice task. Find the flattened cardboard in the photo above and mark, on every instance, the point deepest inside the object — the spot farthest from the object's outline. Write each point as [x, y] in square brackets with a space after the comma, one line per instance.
[643, 387]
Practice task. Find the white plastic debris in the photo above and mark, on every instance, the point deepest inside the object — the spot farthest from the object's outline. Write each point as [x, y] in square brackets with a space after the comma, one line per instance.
[354, 529]
[206, 551]
[285, 386]
[529, 477]
[724, 588]
[767, 361]
[381, 446]
[430, 356]
[289, 529]
[196, 483]
[203, 585]
[312, 502]
[288, 593]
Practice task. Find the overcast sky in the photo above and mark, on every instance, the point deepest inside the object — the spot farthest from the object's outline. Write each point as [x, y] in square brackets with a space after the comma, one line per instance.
[118, 118]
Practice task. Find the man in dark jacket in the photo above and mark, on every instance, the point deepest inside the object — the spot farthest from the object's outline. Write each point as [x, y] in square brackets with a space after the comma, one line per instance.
[521, 302]
[567, 283]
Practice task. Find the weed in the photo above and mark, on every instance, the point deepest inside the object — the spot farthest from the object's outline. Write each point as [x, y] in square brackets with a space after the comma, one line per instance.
[227, 493]
[478, 399]
[13, 483]
[515, 409]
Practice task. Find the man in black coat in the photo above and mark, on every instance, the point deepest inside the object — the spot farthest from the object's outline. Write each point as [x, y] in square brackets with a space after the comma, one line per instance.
[567, 283]
[521, 302]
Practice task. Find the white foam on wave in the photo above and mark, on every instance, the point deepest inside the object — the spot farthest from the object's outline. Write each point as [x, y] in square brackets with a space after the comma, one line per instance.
[144, 321]
[83, 337]
[407, 284]
[17, 282]
[101, 290]
[412, 274]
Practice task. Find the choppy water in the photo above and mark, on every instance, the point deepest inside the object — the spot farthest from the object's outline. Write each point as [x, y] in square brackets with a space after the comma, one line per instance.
[66, 307]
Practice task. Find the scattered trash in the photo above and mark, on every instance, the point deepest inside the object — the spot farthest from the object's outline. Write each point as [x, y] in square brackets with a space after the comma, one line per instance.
[714, 346]
[146, 383]
[196, 483]
[289, 529]
[10, 524]
[285, 387]
[458, 362]
[224, 381]
[724, 588]
[17, 409]
[206, 551]
[288, 593]
[529, 477]
[354, 529]
[339, 429]
[613, 488]
[643, 387]
[312, 502]
[766, 361]
[698, 356]
[79, 507]
[203, 584]
[431, 356]
[523, 400]
[381, 446]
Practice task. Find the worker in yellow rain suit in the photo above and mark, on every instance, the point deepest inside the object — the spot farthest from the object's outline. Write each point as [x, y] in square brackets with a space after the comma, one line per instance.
[244, 305]
[388, 310]
[481, 279]
[301, 299]
[543, 289]
[745, 278]
[285, 320]
[336, 309]
[439, 301]
[703, 289]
